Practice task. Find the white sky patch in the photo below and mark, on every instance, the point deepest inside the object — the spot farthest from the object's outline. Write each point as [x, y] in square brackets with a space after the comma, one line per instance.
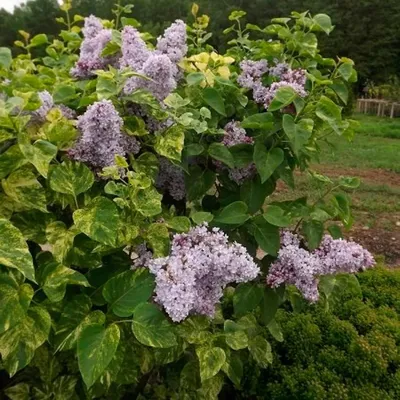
[10, 4]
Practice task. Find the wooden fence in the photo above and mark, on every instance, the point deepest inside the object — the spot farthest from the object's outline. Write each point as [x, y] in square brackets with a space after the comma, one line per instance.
[381, 108]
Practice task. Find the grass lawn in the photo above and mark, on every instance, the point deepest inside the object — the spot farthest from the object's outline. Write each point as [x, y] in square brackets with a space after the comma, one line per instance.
[373, 156]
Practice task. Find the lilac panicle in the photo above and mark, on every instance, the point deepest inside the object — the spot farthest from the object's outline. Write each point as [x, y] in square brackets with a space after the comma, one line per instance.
[297, 266]
[100, 139]
[92, 27]
[47, 103]
[171, 180]
[94, 42]
[200, 265]
[235, 135]
[253, 71]
[173, 42]
[160, 70]
[134, 49]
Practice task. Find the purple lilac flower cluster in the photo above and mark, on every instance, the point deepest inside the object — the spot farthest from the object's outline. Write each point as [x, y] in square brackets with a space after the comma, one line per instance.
[159, 65]
[201, 264]
[234, 135]
[171, 180]
[141, 256]
[101, 137]
[94, 42]
[253, 71]
[302, 268]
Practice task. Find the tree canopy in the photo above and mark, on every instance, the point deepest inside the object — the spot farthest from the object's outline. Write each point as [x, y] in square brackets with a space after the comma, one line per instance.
[366, 31]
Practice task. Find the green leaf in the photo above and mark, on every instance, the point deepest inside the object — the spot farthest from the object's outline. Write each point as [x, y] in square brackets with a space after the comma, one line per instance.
[15, 302]
[267, 236]
[221, 153]
[61, 239]
[214, 99]
[235, 336]
[38, 40]
[54, 278]
[269, 305]
[195, 78]
[313, 232]
[194, 149]
[18, 344]
[335, 231]
[254, 193]
[14, 251]
[5, 57]
[233, 368]
[275, 330]
[75, 316]
[299, 133]
[277, 216]
[260, 349]
[349, 182]
[324, 22]
[242, 154]
[99, 220]
[126, 291]
[211, 361]
[152, 328]
[147, 202]
[158, 237]
[63, 93]
[106, 87]
[331, 113]
[346, 71]
[341, 90]
[283, 97]
[23, 187]
[32, 225]
[179, 224]
[246, 298]
[96, 348]
[11, 160]
[20, 391]
[233, 214]
[201, 216]
[264, 121]
[198, 182]
[170, 144]
[267, 162]
[71, 178]
[39, 154]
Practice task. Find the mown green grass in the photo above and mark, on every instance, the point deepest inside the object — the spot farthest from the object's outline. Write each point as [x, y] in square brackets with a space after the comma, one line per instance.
[376, 126]
[363, 152]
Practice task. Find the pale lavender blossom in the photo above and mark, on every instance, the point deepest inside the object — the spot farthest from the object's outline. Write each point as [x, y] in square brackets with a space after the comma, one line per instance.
[252, 74]
[173, 42]
[200, 265]
[160, 71]
[66, 111]
[141, 256]
[235, 135]
[101, 138]
[92, 27]
[93, 44]
[134, 49]
[297, 266]
[171, 180]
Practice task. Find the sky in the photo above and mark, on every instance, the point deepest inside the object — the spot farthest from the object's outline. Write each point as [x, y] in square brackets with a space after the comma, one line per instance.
[10, 4]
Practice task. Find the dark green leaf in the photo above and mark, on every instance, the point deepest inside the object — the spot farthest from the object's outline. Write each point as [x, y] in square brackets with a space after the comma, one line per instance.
[254, 193]
[233, 214]
[126, 291]
[269, 305]
[313, 232]
[233, 368]
[267, 161]
[267, 236]
[246, 298]
[284, 97]
[221, 153]
[264, 121]
[213, 98]
[277, 216]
